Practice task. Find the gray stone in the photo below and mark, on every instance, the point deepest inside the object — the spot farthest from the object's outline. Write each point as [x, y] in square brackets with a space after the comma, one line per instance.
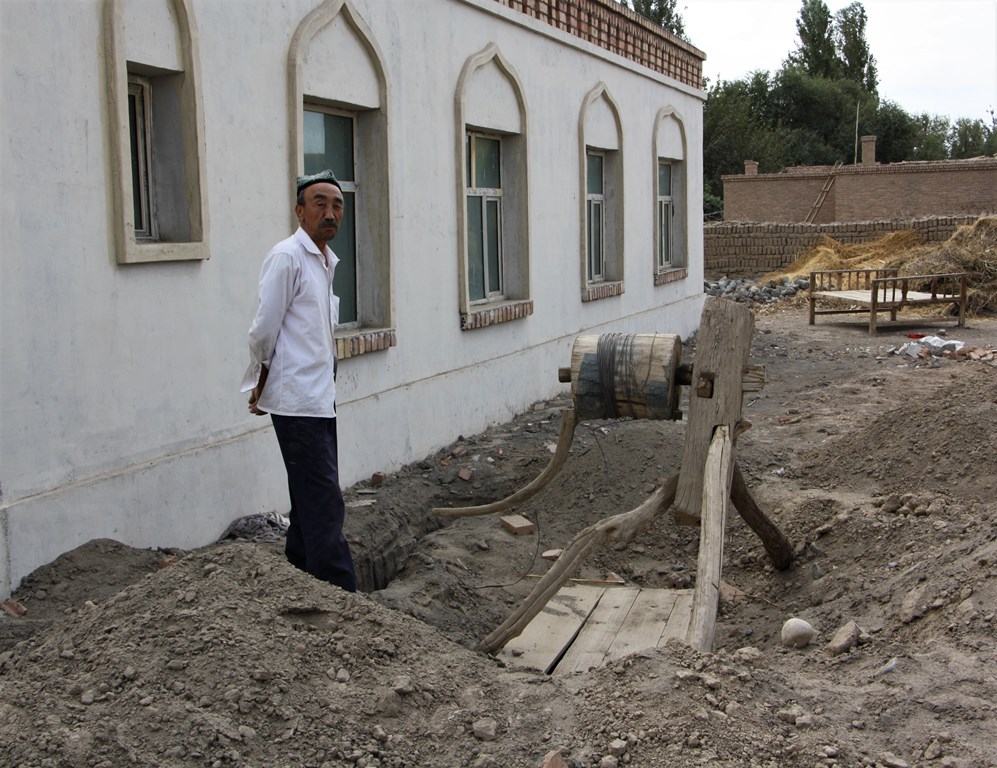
[846, 638]
[485, 729]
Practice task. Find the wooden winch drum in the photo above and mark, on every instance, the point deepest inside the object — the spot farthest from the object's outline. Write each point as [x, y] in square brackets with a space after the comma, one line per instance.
[620, 375]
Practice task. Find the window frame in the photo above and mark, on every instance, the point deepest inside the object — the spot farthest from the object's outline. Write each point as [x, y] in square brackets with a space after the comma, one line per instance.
[485, 195]
[595, 201]
[665, 214]
[178, 181]
[349, 187]
[141, 143]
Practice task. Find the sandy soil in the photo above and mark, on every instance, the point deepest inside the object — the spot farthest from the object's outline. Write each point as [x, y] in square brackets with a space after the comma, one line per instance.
[879, 468]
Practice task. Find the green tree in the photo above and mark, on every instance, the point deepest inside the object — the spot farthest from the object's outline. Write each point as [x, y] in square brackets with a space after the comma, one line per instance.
[820, 114]
[969, 138]
[734, 131]
[856, 62]
[896, 133]
[664, 13]
[930, 137]
[816, 54]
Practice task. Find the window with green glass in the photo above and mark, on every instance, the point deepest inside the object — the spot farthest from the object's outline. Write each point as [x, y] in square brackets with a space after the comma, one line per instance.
[329, 143]
[484, 217]
[595, 215]
[665, 212]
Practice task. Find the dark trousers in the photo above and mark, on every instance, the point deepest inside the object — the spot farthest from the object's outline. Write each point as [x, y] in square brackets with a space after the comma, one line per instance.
[315, 540]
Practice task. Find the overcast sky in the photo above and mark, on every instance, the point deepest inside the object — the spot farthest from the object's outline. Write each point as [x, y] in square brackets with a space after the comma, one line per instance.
[935, 56]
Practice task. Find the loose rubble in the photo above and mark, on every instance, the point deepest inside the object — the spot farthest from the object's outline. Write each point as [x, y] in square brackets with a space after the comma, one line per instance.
[881, 477]
[747, 290]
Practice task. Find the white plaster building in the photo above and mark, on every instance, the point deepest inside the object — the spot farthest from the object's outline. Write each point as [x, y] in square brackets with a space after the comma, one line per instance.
[514, 185]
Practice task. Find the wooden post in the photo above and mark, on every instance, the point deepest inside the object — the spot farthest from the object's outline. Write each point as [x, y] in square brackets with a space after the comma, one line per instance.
[716, 498]
[715, 395]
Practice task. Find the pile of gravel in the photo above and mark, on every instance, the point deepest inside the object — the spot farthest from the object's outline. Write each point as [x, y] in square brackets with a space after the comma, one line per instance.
[747, 290]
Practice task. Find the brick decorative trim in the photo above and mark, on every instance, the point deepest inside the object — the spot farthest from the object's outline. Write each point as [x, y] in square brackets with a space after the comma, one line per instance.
[670, 275]
[615, 28]
[351, 344]
[494, 314]
[598, 291]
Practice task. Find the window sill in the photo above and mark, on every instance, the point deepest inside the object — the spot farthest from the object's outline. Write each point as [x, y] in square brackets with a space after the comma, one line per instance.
[493, 314]
[671, 275]
[596, 291]
[149, 251]
[359, 342]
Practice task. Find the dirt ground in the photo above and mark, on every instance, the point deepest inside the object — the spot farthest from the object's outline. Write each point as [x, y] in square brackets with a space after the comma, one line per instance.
[880, 469]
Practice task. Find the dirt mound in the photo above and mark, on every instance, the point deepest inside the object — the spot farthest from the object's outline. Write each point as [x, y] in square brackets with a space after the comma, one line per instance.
[937, 442]
[233, 657]
[877, 468]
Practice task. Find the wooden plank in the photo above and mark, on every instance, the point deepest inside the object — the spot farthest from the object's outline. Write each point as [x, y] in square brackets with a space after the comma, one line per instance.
[644, 623]
[716, 500]
[545, 639]
[856, 297]
[678, 622]
[590, 646]
[715, 395]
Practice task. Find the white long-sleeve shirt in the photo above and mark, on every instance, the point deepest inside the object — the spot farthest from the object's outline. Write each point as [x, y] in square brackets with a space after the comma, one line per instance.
[292, 333]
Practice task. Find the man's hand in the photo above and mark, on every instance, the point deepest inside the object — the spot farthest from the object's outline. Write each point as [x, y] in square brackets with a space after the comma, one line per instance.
[254, 396]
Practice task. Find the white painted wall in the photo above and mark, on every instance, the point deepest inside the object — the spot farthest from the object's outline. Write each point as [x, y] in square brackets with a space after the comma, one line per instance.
[119, 407]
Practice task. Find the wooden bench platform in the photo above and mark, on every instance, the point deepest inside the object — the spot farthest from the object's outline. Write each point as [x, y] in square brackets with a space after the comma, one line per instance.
[883, 290]
[584, 627]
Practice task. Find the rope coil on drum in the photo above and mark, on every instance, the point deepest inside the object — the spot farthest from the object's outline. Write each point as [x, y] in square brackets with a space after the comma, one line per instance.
[619, 375]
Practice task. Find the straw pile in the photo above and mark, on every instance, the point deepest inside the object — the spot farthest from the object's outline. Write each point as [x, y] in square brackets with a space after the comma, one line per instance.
[971, 249]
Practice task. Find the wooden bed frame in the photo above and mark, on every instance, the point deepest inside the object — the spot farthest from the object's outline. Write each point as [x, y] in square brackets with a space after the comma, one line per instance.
[883, 290]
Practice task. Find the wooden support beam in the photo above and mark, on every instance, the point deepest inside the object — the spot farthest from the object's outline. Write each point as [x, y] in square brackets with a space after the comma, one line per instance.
[568, 422]
[779, 548]
[715, 394]
[716, 498]
[613, 530]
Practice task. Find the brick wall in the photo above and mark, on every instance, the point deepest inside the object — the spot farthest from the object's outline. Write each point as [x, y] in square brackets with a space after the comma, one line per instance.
[865, 193]
[612, 26]
[907, 190]
[753, 249]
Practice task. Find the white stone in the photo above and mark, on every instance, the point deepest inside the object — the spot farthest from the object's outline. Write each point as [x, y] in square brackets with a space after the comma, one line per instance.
[797, 633]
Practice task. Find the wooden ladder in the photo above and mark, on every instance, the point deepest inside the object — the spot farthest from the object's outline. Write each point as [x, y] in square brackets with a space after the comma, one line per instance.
[823, 194]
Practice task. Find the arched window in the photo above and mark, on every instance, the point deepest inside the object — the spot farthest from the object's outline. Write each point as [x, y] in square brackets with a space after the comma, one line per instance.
[600, 136]
[494, 204]
[670, 197]
[157, 131]
[338, 114]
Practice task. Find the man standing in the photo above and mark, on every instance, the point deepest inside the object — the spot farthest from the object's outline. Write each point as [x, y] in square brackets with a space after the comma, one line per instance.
[292, 377]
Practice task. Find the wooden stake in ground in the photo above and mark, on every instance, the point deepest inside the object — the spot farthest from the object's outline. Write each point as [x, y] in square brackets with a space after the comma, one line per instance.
[716, 498]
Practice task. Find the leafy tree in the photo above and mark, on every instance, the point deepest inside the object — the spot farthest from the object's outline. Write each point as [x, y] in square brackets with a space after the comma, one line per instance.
[821, 108]
[969, 138]
[664, 13]
[855, 60]
[733, 132]
[930, 137]
[816, 54]
[896, 133]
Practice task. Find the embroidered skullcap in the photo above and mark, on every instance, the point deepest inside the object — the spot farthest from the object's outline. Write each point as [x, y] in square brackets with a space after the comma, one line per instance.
[322, 176]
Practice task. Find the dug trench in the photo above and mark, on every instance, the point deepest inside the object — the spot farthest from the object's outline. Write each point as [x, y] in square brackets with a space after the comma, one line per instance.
[878, 467]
